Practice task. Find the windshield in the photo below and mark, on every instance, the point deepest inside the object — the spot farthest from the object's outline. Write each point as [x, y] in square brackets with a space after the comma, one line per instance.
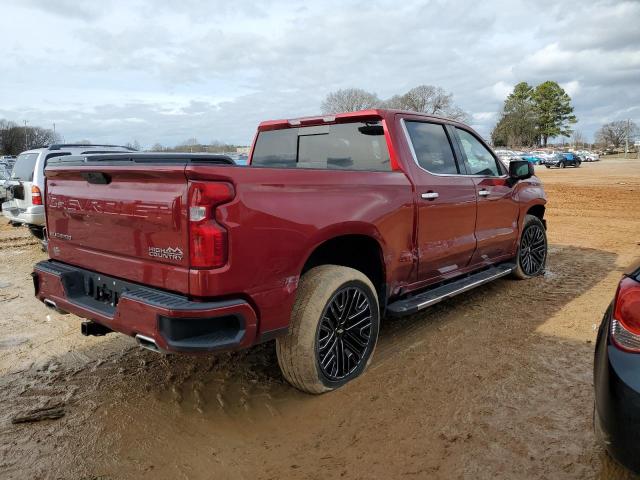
[24, 166]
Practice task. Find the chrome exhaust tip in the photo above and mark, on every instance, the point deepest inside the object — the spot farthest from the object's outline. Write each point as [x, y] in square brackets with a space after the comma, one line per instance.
[148, 343]
[50, 303]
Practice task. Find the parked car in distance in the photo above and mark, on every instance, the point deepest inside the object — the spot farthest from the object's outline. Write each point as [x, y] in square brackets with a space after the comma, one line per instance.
[26, 185]
[562, 160]
[4, 178]
[587, 156]
[506, 156]
[8, 161]
[336, 222]
[531, 158]
[570, 159]
[540, 153]
[617, 375]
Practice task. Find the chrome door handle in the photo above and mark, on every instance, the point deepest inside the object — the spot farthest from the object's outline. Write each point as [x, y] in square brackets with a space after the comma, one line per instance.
[430, 195]
[484, 193]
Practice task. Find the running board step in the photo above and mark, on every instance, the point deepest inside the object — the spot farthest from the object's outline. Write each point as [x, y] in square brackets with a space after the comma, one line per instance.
[432, 296]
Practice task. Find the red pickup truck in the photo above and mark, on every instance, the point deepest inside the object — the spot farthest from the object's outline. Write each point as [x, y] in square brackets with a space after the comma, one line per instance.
[338, 221]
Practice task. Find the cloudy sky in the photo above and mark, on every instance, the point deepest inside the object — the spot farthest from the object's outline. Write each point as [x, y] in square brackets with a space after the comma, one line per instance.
[163, 71]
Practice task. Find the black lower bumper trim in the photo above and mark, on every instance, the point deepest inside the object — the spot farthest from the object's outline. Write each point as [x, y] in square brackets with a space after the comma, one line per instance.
[202, 334]
[100, 292]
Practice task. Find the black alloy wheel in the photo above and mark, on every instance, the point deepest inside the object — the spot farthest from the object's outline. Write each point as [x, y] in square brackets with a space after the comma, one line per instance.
[533, 250]
[344, 337]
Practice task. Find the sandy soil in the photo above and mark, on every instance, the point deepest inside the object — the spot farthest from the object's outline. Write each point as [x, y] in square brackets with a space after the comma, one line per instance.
[493, 384]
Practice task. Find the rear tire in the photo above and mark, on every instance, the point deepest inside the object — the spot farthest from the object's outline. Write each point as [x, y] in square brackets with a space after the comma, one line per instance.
[562, 165]
[333, 330]
[532, 249]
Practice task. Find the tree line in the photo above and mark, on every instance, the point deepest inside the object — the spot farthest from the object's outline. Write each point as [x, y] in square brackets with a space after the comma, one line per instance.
[423, 99]
[529, 117]
[615, 134]
[16, 138]
[532, 115]
[192, 145]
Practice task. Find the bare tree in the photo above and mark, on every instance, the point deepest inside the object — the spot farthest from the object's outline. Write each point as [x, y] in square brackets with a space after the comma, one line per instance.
[11, 138]
[615, 133]
[157, 147]
[13, 141]
[349, 100]
[423, 99]
[39, 137]
[428, 99]
[577, 138]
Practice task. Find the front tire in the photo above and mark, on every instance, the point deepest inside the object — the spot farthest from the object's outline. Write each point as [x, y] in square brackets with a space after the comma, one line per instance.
[333, 330]
[532, 250]
[562, 165]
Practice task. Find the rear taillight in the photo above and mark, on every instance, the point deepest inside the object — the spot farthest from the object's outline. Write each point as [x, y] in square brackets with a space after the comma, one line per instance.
[625, 325]
[208, 243]
[36, 196]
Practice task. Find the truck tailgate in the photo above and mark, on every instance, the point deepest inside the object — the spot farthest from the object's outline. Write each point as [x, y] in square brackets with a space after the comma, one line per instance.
[128, 221]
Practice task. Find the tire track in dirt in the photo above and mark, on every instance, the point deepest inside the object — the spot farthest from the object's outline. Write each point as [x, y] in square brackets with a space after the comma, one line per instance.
[472, 388]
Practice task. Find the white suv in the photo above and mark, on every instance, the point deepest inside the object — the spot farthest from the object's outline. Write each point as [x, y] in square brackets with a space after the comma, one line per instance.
[25, 187]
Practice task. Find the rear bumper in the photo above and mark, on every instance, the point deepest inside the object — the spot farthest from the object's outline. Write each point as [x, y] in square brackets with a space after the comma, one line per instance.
[31, 215]
[173, 322]
[617, 394]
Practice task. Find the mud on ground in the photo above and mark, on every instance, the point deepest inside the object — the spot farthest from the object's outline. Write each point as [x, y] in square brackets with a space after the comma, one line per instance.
[496, 383]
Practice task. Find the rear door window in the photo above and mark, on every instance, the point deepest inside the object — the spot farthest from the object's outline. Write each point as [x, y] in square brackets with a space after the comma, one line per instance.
[24, 167]
[432, 148]
[276, 148]
[343, 146]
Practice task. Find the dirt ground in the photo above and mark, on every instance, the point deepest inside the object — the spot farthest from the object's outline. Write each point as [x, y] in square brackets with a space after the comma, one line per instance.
[494, 384]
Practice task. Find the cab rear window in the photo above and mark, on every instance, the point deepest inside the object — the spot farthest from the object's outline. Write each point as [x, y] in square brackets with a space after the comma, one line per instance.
[24, 167]
[343, 146]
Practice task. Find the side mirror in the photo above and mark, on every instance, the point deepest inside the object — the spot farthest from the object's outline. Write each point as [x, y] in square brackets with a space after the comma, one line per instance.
[520, 170]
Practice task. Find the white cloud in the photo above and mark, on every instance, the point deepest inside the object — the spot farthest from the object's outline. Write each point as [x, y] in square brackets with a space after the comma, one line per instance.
[484, 116]
[501, 90]
[214, 69]
[572, 88]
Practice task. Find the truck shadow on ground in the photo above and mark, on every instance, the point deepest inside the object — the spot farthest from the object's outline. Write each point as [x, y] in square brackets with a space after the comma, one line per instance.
[494, 378]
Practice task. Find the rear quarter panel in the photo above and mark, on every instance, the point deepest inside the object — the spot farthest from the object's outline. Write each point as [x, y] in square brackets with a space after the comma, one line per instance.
[279, 216]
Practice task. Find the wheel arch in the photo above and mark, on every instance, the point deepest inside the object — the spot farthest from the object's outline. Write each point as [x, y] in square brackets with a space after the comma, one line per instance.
[359, 251]
[538, 210]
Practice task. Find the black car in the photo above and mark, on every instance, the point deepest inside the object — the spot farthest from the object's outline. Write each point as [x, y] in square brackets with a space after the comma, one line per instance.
[617, 375]
[562, 160]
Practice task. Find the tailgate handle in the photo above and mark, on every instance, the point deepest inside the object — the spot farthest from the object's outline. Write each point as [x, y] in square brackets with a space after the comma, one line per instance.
[98, 178]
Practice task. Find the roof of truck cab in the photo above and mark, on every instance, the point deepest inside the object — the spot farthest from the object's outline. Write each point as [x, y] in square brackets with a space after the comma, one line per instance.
[379, 113]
